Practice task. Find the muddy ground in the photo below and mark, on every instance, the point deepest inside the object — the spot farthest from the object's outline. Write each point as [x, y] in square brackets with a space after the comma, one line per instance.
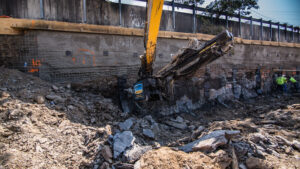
[46, 125]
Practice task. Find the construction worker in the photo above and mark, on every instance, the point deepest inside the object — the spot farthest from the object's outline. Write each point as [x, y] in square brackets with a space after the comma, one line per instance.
[281, 83]
[294, 83]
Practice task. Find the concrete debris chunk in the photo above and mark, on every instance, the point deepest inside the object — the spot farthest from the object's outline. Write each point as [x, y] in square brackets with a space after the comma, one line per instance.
[126, 125]
[155, 128]
[54, 87]
[40, 99]
[178, 119]
[256, 163]
[210, 141]
[4, 94]
[135, 152]
[105, 165]
[197, 132]
[296, 144]
[248, 94]
[106, 153]
[55, 98]
[181, 126]
[150, 119]
[222, 158]
[148, 133]
[122, 141]
[210, 144]
[282, 140]
[256, 137]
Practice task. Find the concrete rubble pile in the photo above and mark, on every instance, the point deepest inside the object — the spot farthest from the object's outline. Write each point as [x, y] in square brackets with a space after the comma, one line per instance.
[46, 125]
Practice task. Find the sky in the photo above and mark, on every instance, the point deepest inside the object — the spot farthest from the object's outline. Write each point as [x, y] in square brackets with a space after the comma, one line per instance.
[284, 11]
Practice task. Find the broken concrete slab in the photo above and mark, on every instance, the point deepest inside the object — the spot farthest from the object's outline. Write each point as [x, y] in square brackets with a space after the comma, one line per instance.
[126, 125]
[155, 128]
[55, 98]
[210, 141]
[135, 152]
[210, 144]
[148, 133]
[150, 119]
[122, 141]
[181, 126]
[178, 119]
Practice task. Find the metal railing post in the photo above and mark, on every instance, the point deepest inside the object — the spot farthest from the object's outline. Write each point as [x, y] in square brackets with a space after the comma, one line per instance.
[226, 21]
[42, 9]
[120, 12]
[251, 28]
[271, 30]
[285, 31]
[278, 32]
[240, 26]
[261, 29]
[292, 33]
[84, 11]
[194, 17]
[298, 34]
[173, 14]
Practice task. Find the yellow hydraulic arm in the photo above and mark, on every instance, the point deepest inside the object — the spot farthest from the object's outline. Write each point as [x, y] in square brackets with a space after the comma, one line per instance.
[154, 12]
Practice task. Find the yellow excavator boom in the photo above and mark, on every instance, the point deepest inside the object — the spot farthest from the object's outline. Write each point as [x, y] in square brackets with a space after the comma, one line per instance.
[154, 12]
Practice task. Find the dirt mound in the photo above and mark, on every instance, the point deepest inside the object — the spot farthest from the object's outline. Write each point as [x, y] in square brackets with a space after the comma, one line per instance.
[170, 159]
[47, 126]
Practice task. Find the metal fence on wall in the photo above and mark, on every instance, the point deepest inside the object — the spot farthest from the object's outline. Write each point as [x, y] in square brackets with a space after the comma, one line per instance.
[81, 11]
[294, 31]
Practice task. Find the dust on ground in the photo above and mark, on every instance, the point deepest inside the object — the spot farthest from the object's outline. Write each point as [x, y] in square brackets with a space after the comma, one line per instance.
[46, 125]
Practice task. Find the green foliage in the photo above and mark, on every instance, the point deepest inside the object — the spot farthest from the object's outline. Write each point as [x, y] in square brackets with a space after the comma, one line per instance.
[233, 6]
[208, 27]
